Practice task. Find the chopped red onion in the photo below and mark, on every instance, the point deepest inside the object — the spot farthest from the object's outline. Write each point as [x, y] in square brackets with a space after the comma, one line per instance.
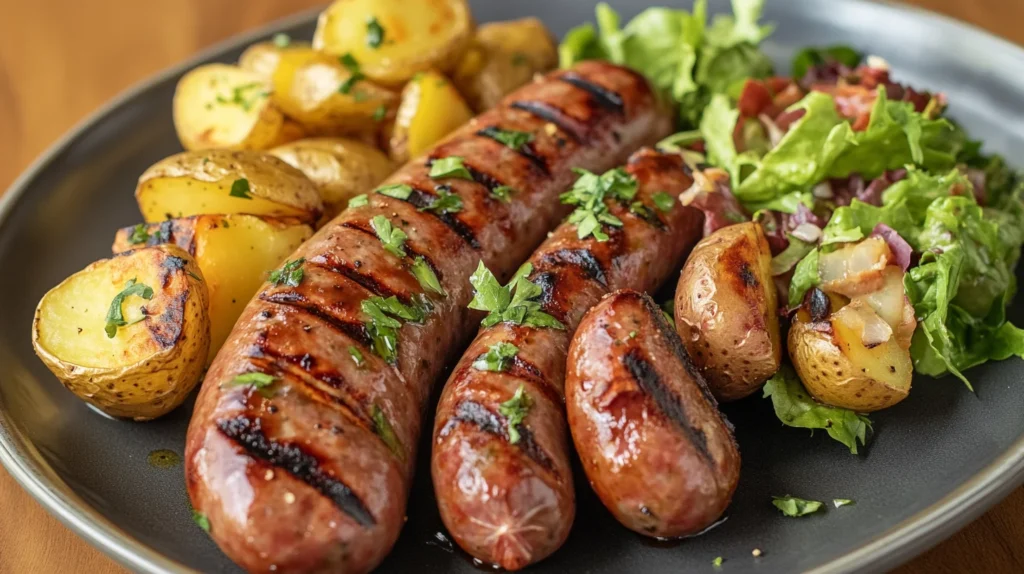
[902, 252]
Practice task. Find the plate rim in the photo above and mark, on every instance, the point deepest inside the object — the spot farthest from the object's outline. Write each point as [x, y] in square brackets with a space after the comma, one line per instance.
[888, 549]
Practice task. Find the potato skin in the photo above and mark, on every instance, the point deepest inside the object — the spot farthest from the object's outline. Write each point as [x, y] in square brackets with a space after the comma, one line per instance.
[726, 311]
[173, 350]
[839, 370]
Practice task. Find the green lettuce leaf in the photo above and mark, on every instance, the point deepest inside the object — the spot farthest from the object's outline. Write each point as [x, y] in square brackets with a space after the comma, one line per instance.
[811, 57]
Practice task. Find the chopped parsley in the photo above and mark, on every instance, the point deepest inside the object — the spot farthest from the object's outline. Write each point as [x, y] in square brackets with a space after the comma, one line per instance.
[359, 200]
[382, 427]
[282, 40]
[424, 273]
[451, 166]
[503, 192]
[352, 65]
[717, 562]
[357, 356]
[445, 202]
[383, 323]
[380, 113]
[374, 32]
[837, 502]
[240, 188]
[115, 317]
[663, 201]
[497, 358]
[510, 138]
[589, 194]
[396, 190]
[138, 234]
[260, 382]
[513, 303]
[245, 96]
[391, 237]
[289, 274]
[793, 506]
[515, 410]
[201, 520]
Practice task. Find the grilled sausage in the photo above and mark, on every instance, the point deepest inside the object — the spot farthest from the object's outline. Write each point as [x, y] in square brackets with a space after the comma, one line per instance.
[506, 494]
[309, 471]
[650, 437]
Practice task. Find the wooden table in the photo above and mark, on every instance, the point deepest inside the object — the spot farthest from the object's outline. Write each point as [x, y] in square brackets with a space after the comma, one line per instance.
[60, 59]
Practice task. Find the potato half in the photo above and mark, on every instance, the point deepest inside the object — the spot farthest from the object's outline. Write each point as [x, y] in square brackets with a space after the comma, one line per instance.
[223, 106]
[835, 365]
[393, 40]
[340, 168]
[223, 181]
[431, 109]
[129, 334]
[235, 252]
[503, 57]
[726, 310]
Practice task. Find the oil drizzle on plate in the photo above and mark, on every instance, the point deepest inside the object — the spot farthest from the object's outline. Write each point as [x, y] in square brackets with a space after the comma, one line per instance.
[163, 458]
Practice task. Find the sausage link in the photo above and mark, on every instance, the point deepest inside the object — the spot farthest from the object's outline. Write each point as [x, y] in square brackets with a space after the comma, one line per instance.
[311, 472]
[648, 432]
[510, 501]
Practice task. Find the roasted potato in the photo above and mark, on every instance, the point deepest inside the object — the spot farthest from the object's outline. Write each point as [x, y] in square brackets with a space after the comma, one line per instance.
[262, 58]
[726, 310]
[340, 168]
[130, 334]
[223, 106]
[235, 253]
[431, 108]
[503, 57]
[222, 181]
[393, 40]
[840, 363]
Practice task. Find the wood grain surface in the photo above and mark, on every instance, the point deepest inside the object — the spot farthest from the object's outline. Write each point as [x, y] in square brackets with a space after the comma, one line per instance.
[60, 59]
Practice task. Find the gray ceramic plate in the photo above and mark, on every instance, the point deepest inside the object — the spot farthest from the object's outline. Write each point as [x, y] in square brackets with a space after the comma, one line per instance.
[937, 460]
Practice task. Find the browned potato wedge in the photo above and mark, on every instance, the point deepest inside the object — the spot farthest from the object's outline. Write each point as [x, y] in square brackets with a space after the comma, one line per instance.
[726, 311]
[320, 93]
[340, 168]
[503, 57]
[223, 106]
[431, 109]
[130, 334]
[222, 181]
[393, 40]
[261, 58]
[234, 251]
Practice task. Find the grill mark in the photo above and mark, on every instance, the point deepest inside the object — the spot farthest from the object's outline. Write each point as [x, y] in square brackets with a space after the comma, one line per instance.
[526, 150]
[420, 199]
[350, 329]
[747, 275]
[364, 280]
[603, 96]
[366, 230]
[166, 330]
[248, 434]
[479, 176]
[668, 402]
[582, 259]
[552, 114]
[474, 413]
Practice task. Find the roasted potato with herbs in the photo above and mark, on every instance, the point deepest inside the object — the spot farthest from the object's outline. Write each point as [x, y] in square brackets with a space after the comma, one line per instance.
[393, 40]
[503, 57]
[431, 109]
[726, 310]
[843, 356]
[224, 181]
[223, 106]
[327, 95]
[129, 334]
[340, 168]
[235, 253]
[262, 58]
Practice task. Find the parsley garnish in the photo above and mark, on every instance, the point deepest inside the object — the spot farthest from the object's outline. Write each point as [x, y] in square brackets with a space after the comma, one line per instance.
[397, 191]
[240, 188]
[451, 166]
[139, 234]
[382, 326]
[392, 237]
[359, 200]
[515, 411]
[717, 562]
[386, 432]
[641, 210]
[352, 65]
[589, 193]
[503, 192]
[502, 305]
[663, 201]
[374, 32]
[423, 273]
[289, 274]
[445, 202]
[357, 356]
[201, 520]
[497, 358]
[260, 382]
[380, 113]
[281, 40]
[792, 506]
[511, 138]
[837, 502]
[115, 318]
[243, 95]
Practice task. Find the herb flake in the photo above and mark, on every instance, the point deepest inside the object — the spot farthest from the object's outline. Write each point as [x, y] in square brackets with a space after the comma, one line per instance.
[357, 356]
[590, 193]
[240, 188]
[497, 358]
[245, 96]
[513, 303]
[260, 382]
[115, 316]
[512, 139]
[289, 274]
[515, 410]
[451, 166]
[281, 40]
[838, 502]
[352, 65]
[391, 237]
[359, 200]
[445, 202]
[374, 32]
[396, 190]
[503, 192]
[138, 235]
[663, 201]
[384, 321]
[793, 507]
[382, 427]
[424, 273]
[201, 520]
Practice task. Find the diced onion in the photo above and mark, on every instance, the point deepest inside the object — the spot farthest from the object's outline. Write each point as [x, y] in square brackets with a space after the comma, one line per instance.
[855, 269]
[808, 232]
[823, 191]
[862, 319]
